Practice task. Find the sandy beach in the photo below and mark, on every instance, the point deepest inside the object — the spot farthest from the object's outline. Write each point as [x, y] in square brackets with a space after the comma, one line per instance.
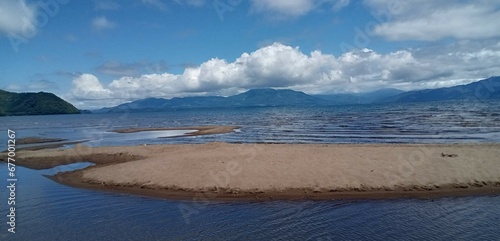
[280, 171]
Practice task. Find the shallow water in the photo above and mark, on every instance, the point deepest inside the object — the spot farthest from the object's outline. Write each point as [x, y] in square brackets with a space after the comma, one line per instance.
[436, 122]
[50, 211]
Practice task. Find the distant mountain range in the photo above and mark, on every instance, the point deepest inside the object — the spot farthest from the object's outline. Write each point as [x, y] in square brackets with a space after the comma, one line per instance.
[40, 103]
[486, 89]
[255, 97]
[252, 98]
[43, 103]
[361, 98]
[481, 90]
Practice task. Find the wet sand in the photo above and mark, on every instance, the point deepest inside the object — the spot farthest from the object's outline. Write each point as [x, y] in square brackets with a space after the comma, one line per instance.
[40, 143]
[221, 171]
[36, 140]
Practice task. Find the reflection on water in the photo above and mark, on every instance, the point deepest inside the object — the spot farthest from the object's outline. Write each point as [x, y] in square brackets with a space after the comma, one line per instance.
[136, 137]
[66, 168]
[152, 134]
[441, 122]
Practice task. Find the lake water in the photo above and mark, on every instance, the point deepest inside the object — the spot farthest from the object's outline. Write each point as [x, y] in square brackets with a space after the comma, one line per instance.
[50, 211]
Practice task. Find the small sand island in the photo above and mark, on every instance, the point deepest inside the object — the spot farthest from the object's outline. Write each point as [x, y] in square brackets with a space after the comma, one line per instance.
[39, 143]
[198, 130]
[223, 171]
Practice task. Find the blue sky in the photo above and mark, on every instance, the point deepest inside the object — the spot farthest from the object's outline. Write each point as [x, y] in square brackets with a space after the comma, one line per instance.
[101, 53]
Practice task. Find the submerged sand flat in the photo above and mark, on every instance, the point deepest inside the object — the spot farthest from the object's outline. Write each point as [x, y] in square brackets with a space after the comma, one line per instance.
[199, 130]
[222, 170]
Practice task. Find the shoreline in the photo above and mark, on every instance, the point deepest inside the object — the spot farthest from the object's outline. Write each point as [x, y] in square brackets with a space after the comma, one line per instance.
[36, 140]
[48, 145]
[40, 143]
[222, 171]
[74, 179]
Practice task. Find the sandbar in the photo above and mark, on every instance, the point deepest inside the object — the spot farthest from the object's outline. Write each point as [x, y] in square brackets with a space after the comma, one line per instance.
[223, 171]
[200, 130]
[36, 140]
[40, 143]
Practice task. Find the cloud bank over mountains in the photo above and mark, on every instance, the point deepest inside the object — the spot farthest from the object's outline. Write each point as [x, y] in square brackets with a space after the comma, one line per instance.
[283, 66]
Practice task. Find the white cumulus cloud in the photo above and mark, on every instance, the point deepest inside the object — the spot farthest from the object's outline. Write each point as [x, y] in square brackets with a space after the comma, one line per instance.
[17, 17]
[283, 66]
[295, 8]
[102, 23]
[196, 3]
[430, 20]
[87, 86]
[286, 7]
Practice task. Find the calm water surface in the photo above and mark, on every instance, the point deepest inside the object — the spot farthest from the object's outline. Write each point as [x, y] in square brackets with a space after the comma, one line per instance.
[50, 211]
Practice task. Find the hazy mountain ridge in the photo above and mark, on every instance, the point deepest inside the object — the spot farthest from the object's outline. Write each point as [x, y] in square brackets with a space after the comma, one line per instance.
[361, 98]
[255, 97]
[480, 90]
